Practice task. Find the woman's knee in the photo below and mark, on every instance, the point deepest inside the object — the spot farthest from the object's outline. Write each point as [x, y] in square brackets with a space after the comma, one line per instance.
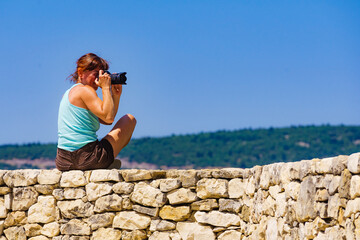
[131, 118]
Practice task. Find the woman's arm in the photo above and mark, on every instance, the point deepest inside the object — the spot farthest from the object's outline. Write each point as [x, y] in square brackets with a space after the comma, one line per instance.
[103, 109]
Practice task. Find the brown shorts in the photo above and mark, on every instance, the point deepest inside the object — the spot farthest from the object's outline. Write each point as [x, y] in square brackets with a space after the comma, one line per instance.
[94, 155]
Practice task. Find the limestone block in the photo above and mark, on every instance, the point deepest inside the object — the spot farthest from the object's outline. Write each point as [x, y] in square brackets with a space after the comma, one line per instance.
[212, 188]
[306, 201]
[280, 205]
[160, 236]
[74, 178]
[269, 206]
[206, 173]
[105, 175]
[335, 233]
[182, 195]
[167, 185]
[131, 220]
[146, 210]
[290, 171]
[3, 209]
[205, 205]
[149, 196]
[274, 191]
[32, 230]
[51, 229]
[344, 185]
[228, 173]
[58, 194]
[126, 203]
[45, 189]
[21, 178]
[108, 203]
[307, 167]
[353, 163]
[321, 209]
[272, 229]
[230, 235]
[2, 173]
[355, 186]
[132, 175]
[16, 233]
[334, 185]
[75, 208]
[353, 206]
[237, 188]
[96, 190]
[175, 213]
[15, 219]
[100, 220]
[188, 178]
[219, 219]
[191, 230]
[106, 233]
[23, 198]
[322, 195]
[4, 190]
[339, 163]
[74, 193]
[324, 165]
[75, 227]
[161, 225]
[123, 188]
[39, 238]
[229, 205]
[132, 235]
[265, 177]
[49, 176]
[44, 211]
[250, 186]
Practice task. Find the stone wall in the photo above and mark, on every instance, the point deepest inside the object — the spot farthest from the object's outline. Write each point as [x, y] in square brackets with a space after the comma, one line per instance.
[316, 199]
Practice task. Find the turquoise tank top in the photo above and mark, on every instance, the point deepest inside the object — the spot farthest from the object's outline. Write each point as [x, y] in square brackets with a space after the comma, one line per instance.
[76, 126]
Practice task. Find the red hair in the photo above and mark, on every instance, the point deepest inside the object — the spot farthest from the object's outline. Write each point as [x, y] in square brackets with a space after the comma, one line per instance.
[88, 62]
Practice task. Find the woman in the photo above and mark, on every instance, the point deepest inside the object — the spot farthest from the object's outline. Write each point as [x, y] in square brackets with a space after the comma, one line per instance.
[81, 111]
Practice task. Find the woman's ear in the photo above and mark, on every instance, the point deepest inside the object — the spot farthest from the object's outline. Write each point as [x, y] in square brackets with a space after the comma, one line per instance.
[80, 73]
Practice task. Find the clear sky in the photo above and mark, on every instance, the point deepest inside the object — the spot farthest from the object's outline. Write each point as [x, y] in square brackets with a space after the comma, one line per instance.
[192, 65]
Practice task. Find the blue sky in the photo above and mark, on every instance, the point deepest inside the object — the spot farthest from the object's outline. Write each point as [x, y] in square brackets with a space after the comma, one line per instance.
[192, 65]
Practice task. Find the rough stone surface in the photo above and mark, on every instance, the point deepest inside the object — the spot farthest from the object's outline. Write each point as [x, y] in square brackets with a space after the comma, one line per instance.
[44, 211]
[310, 199]
[175, 213]
[108, 203]
[21, 178]
[147, 195]
[104, 175]
[131, 221]
[73, 178]
[212, 188]
[106, 233]
[49, 176]
[189, 231]
[96, 190]
[219, 219]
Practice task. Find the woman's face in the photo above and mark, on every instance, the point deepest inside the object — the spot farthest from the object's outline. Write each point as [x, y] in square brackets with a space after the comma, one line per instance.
[89, 77]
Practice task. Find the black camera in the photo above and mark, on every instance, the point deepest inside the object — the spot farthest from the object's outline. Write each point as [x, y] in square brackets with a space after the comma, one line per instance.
[117, 78]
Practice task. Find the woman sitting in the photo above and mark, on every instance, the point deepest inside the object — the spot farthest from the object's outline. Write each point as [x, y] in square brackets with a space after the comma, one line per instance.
[80, 114]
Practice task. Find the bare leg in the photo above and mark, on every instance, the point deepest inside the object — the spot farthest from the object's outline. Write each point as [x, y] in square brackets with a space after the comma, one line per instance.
[121, 133]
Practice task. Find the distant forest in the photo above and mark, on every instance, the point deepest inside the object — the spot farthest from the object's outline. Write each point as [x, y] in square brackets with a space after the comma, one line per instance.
[239, 148]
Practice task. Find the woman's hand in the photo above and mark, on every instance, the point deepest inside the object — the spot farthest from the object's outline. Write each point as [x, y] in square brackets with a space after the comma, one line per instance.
[104, 80]
[116, 90]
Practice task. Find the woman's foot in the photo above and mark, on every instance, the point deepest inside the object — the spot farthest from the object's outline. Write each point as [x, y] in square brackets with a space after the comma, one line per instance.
[115, 165]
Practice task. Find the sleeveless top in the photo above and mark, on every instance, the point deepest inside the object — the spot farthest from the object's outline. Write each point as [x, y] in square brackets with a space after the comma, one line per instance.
[76, 126]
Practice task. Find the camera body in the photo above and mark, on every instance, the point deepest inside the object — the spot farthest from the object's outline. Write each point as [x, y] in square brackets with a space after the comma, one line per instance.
[117, 78]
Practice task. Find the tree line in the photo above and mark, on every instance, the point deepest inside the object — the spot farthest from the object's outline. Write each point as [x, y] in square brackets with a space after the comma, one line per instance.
[238, 148]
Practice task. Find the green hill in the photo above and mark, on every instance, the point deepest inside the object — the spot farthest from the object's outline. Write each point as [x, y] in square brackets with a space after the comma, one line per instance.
[239, 148]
